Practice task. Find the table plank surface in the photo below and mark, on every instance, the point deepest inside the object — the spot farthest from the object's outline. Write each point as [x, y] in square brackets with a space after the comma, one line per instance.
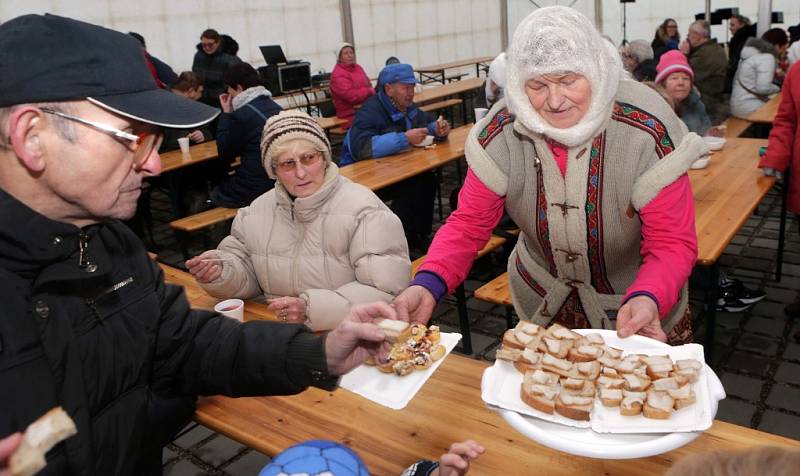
[448, 408]
[175, 159]
[451, 89]
[329, 122]
[725, 195]
[766, 113]
[376, 174]
[454, 64]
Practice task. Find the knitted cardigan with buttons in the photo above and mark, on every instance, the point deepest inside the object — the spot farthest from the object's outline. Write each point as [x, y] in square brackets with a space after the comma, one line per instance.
[581, 232]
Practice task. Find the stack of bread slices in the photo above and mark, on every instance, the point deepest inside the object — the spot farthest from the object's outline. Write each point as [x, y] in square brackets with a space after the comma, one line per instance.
[566, 372]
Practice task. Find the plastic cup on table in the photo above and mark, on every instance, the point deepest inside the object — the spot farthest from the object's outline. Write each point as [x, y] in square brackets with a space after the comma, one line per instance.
[184, 143]
[480, 112]
[233, 308]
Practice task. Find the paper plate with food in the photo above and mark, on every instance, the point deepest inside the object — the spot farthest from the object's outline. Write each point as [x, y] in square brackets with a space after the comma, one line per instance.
[589, 392]
[417, 351]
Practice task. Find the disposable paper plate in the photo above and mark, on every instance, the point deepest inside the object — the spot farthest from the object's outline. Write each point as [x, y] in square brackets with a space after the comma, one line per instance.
[428, 140]
[392, 390]
[608, 435]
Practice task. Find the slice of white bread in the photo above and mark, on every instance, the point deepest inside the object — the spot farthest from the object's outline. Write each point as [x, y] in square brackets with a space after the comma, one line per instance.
[40, 436]
[636, 383]
[683, 396]
[560, 366]
[574, 407]
[631, 406]
[558, 331]
[392, 328]
[584, 353]
[587, 370]
[540, 397]
[610, 382]
[664, 384]
[610, 397]
[658, 405]
[540, 377]
[528, 360]
[586, 388]
[506, 353]
[558, 347]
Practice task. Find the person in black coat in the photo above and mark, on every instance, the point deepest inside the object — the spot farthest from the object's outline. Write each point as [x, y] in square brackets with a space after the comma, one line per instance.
[210, 62]
[87, 322]
[245, 109]
[741, 29]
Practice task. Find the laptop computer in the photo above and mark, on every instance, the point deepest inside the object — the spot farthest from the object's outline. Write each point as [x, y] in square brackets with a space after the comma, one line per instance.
[273, 54]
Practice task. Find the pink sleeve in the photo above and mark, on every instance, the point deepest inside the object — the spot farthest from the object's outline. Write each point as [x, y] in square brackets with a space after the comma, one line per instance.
[465, 233]
[669, 245]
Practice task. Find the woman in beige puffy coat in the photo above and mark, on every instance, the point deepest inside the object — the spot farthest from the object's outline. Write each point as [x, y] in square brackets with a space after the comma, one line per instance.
[313, 245]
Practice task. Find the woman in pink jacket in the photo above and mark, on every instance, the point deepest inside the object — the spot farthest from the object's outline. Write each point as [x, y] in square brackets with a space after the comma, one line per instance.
[350, 85]
[592, 167]
[783, 152]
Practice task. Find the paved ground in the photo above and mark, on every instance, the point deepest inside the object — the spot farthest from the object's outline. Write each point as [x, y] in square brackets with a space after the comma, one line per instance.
[757, 358]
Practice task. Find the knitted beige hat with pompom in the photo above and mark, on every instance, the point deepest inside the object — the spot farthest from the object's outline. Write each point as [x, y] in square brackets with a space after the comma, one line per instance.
[288, 126]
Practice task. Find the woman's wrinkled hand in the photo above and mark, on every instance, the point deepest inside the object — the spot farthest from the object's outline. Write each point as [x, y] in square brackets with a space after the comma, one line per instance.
[206, 267]
[640, 316]
[289, 309]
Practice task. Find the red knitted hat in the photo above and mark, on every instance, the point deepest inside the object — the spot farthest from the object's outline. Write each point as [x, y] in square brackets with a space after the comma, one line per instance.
[670, 62]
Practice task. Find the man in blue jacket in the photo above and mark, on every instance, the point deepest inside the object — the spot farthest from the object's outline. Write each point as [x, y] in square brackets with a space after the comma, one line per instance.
[388, 123]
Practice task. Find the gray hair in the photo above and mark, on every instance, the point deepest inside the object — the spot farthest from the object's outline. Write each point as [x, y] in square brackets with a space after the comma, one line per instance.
[702, 27]
[641, 50]
[63, 127]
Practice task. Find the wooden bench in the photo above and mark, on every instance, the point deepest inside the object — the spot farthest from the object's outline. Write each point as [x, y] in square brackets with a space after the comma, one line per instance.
[495, 291]
[734, 126]
[198, 221]
[446, 104]
[461, 295]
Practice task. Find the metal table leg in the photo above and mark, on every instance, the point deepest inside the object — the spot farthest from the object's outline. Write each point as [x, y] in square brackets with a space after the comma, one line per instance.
[782, 228]
[711, 295]
[463, 320]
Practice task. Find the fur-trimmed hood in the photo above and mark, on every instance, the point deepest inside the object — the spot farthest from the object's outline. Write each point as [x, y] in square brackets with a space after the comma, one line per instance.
[754, 46]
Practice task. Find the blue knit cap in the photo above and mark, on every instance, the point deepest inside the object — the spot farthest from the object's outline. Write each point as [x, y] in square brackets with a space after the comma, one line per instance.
[397, 73]
[316, 457]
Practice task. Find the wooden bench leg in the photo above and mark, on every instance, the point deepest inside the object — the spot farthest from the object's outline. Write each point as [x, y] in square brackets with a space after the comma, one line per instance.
[463, 320]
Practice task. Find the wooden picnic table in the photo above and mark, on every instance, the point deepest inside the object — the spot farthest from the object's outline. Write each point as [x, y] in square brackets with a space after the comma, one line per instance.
[448, 408]
[329, 122]
[453, 89]
[766, 113]
[376, 174]
[175, 159]
[436, 73]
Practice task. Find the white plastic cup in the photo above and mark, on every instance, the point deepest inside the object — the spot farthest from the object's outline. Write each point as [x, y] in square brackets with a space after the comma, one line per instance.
[184, 143]
[233, 308]
[480, 112]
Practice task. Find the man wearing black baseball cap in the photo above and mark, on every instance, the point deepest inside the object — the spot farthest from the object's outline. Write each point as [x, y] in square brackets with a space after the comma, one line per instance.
[87, 322]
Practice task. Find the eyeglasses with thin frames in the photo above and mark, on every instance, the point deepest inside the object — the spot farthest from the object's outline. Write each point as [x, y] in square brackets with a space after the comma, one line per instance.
[142, 143]
[307, 159]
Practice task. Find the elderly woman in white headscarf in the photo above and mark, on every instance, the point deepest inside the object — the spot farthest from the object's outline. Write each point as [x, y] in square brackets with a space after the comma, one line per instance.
[592, 167]
[315, 244]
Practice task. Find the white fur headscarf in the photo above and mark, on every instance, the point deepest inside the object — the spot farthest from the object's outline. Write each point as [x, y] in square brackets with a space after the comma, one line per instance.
[557, 40]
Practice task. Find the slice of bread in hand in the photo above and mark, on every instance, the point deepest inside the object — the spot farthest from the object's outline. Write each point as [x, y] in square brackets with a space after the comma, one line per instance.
[392, 328]
[41, 435]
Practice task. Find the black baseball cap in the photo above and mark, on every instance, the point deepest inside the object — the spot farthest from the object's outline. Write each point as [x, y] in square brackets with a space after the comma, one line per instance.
[48, 58]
